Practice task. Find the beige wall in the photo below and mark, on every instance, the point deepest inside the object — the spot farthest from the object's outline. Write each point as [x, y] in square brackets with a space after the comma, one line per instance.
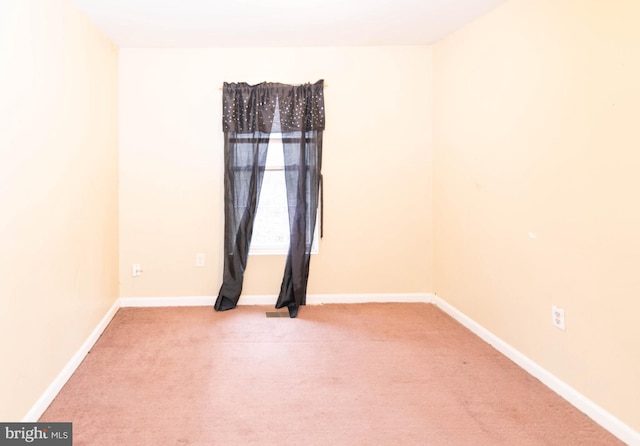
[536, 110]
[377, 168]
[58, 192]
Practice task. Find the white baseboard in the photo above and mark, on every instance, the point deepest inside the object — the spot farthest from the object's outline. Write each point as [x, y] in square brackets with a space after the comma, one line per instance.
[581, 402]
[319, 299]
[52, 391]
[265, 299]
[182, 301]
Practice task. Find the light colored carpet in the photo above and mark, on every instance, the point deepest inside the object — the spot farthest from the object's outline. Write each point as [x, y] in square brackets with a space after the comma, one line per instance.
[360, 374]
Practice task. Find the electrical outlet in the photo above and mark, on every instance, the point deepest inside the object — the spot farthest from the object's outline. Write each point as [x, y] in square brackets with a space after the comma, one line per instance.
[200, 259]
[136, 269]
[557, 317]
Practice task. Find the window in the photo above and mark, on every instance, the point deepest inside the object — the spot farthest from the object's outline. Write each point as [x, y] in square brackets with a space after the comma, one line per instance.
[271, 225]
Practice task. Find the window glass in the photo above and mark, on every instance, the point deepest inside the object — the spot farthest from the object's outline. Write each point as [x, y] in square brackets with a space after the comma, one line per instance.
[271, 224]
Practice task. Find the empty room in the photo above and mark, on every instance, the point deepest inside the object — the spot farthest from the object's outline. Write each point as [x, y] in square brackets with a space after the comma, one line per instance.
[320, 222]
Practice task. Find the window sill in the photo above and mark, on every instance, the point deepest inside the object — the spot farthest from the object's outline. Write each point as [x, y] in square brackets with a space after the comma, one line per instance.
[265, 251]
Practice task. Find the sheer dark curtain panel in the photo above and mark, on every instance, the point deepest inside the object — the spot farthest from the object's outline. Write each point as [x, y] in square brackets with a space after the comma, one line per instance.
[249, 118]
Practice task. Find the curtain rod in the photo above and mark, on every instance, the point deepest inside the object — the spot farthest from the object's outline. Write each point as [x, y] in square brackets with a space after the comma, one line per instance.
[325, 85]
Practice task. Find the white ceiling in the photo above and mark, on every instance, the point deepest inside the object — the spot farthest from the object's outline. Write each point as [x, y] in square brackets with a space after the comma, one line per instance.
[280, 23]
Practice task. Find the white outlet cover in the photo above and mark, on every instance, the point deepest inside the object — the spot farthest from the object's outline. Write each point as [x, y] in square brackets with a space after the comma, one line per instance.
[557, 317]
